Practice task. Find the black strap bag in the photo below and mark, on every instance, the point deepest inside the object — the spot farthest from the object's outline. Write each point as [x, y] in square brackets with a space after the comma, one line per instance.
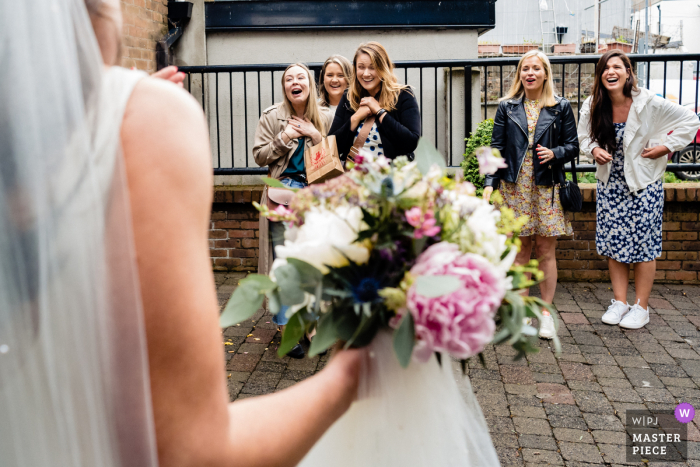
[570, 193]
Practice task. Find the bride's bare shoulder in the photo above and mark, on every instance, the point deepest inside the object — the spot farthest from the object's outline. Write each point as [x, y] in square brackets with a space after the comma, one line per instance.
[164, 130]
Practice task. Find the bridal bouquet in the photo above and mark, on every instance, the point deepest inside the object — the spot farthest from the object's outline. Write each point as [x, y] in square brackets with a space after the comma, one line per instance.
[398, 246]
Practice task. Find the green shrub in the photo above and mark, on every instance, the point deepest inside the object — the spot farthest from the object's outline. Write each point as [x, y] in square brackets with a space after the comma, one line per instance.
[480, 137]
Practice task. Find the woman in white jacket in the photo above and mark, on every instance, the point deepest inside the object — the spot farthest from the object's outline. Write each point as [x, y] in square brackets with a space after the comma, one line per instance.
[624, 128]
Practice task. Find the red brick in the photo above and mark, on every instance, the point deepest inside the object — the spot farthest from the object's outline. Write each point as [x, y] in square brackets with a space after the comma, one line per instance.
[218, 215]
[585, 235]
[566, 264]
[239, 215]
[218, 234]
[565, 275]
[243, 196]
[218, 253]
[683, 255]
[692, 226]
[241, 233]
[250, 243]
[565, 254]
[590, 255]
[671, 226]
[682, 235]
[681, 275]
[600, 264]
[256, 225]
[250, 262]
[691, 194]
[684, 216]
[660, 275]
[227, 225]
[691, 266]
[584, 216]
[573, 245]
[668, 265]
[673, 246]
[589, 275]
[227, 262]
[669, 194]
[691, 246]
[239, 253]
[230, 243]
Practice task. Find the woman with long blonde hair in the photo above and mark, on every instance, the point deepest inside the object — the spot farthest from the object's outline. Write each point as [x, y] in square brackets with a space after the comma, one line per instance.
[376, 98]
[336, 75]
[283, 133]
[536, 134]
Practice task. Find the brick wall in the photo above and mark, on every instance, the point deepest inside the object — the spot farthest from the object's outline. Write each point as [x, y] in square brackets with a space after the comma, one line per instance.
[234, 236]
[145, 22]
[578, 260]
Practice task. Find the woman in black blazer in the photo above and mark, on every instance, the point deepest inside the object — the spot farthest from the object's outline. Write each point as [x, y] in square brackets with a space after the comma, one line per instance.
[375, 92]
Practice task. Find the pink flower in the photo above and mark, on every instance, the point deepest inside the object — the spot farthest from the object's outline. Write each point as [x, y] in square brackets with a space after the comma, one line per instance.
[424, 223]
[460, 323]
[282, 210]
[490, 160]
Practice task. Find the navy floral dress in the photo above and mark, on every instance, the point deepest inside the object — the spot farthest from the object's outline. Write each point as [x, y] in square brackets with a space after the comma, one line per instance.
[628, 227]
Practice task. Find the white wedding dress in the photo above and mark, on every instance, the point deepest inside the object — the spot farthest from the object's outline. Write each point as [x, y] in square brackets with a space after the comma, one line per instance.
[422, 416]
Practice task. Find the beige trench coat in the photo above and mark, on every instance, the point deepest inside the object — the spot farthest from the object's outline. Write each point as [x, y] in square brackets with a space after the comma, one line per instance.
[270, 150]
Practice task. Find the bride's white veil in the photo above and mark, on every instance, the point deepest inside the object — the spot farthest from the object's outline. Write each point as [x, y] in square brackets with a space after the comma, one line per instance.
[74, 387]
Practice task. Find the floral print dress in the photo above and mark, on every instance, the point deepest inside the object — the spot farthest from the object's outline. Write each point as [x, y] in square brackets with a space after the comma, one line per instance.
[628, 227]
[526, 198]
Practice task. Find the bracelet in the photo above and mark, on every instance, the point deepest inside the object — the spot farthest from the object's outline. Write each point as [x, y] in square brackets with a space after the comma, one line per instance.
[380, 112]
[288, 137]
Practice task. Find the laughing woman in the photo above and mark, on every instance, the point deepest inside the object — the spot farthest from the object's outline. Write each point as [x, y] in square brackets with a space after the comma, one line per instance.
[336, 74]
[376, 98]
[536, 134]
[623, 128]
[283, 133]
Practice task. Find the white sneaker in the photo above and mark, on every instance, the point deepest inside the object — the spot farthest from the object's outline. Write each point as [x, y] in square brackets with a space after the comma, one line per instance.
[615, 312]
[547, 330]
[637, 317]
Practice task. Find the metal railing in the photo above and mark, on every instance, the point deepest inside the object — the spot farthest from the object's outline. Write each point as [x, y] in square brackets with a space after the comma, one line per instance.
[234, 97]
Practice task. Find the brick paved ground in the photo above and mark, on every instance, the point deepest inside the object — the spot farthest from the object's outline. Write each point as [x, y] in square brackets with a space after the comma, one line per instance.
[544, 410]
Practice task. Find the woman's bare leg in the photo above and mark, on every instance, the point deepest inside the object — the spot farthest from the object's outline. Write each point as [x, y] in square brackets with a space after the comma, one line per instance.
[643, 282]
[619, 276]
[545, 251]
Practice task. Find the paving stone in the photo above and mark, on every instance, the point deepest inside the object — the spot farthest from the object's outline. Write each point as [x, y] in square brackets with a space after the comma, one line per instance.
[585, 386]
[274, 366]
[576, 371]
[528, 412]
[243, 362]
[504, 440]
[609, 437]
[606, 422]
[655, 395]
[516, 375]
[681, 382]
[548, 378]
[684, 393]
[481, 373]
[607, 371]
[285, 383]
[668, 370]
[685, 354]
[598, 359]
[564, 421]
[580, 452]
[572, 357]
[589, 401]
[621, 408]
[631, 362]
[545, 368]
[614, 453]
[538, 442]
[691, 367]
[531, 426]
[296, 375]
[500, 424]
[565, 410]
[521, 400]
[621, 395]
[587, 338]
[554, 393]
[615, 383]
[643, 378]
[542, 357]
[487, 386]
[509, 456]
[542, 457]
[573, 436]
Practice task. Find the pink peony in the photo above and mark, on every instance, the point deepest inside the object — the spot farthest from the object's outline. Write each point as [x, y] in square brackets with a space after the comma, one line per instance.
[460, 323]
[424, 223]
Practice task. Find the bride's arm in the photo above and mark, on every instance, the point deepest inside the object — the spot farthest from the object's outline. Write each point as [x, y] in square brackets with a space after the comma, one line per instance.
[166, 149]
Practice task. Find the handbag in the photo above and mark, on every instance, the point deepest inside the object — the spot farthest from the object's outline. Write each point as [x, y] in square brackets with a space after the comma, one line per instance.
[322, 161]
[570, 193]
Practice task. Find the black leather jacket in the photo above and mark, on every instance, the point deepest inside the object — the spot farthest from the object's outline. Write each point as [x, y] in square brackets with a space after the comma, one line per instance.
[556, 130]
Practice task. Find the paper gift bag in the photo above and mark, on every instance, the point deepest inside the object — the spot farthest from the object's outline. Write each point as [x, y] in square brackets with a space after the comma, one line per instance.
[322, 161]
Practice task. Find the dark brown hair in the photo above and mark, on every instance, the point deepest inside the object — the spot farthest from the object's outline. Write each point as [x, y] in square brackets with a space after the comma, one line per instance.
[602, 129]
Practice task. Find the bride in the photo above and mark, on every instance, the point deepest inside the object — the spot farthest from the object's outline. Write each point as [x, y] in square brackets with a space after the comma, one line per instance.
[110, 351]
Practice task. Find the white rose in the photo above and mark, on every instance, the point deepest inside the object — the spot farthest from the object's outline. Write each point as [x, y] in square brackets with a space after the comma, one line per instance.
[327, 238]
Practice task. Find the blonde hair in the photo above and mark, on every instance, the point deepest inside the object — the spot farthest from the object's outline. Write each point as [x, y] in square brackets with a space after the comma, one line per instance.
[345, 65]
[312, 112]
[517, 90]
[389, 89]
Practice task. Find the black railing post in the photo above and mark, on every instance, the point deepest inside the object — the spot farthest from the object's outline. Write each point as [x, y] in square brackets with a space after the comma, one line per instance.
[467, 101]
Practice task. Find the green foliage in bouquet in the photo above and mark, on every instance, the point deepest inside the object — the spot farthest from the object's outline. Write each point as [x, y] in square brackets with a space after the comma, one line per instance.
[371, 226]
[479, 138]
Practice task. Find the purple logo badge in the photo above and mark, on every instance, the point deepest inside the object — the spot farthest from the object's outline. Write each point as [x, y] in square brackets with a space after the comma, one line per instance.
[684, 412]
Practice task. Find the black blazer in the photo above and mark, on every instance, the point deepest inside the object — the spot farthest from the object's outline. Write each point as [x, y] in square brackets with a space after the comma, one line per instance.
[399, 129]
[556, 130]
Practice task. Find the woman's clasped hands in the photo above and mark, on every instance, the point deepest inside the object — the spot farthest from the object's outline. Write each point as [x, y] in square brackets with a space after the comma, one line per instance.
[298, 127]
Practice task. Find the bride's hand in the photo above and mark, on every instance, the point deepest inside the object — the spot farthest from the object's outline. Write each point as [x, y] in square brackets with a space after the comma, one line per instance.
[346, 365]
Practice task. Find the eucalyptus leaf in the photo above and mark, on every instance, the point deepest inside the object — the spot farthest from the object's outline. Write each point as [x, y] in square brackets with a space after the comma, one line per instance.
[436, 286]
[404, 339]
[325, 335]
[243, 304]
[426, 155]
[274, 301]
[529, 330]
[309, 276]
[273, 182]
[293, 331]
[289, 282]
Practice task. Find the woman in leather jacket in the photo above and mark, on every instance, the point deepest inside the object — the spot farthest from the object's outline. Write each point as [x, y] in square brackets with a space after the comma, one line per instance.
[536, 134]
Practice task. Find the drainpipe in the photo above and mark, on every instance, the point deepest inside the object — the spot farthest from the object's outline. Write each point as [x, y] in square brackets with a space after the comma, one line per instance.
[179, 14]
